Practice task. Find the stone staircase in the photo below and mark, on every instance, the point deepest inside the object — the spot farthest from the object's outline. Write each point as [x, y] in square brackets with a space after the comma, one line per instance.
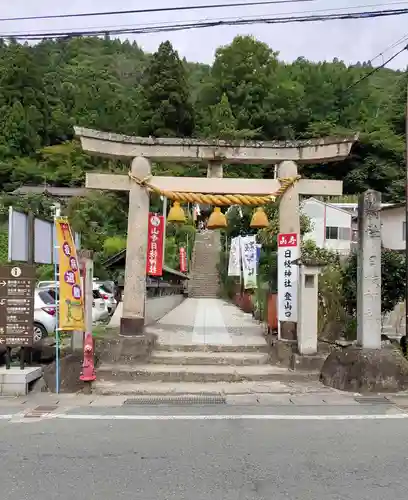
[197, 368]
[204, 279]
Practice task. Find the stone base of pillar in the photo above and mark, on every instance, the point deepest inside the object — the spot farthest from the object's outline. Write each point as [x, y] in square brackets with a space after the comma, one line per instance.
[288, 330]
[366, 370]
[131, 327]
[115, 349]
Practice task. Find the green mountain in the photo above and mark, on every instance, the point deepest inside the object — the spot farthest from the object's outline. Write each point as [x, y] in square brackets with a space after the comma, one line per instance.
[247, 93]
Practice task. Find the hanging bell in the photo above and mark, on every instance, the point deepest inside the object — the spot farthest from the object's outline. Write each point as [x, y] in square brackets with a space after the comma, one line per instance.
[259, 219]
[217, 219]
[176, 214]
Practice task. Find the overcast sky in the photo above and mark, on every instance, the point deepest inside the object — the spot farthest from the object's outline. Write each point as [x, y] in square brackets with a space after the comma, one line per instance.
[351, 41]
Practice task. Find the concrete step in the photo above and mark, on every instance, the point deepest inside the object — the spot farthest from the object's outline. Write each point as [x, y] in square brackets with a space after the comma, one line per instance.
[210, 283]
[204, 283]
[202, 290]
[204, 294]
[189, 388]
[205, 277]
[199, 286]
[255, 344]
[200, 295]
[196, 286]
[198, 373]
[208, 358]
[203, 274]
[207, 281]
[204, 260]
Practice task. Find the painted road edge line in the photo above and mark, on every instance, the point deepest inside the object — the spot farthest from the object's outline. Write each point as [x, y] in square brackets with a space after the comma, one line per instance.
[392, 416]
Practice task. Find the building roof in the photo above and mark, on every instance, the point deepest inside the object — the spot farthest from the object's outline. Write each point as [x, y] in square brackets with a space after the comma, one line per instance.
[120, 257]
[394, 205]
[328, 205]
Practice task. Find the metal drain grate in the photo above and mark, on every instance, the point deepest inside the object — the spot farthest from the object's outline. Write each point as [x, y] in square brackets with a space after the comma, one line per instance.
[40, 411]
[196, 399]
[369, 400]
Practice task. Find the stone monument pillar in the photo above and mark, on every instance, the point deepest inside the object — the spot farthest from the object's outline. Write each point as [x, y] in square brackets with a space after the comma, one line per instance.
[367, 367]
[134, 296]
[369, 271]
[308, 306]
[289, 222]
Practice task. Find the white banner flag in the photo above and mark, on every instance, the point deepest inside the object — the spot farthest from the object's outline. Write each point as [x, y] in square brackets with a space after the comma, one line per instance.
[248, 255]
[234, 264]
[288, 276]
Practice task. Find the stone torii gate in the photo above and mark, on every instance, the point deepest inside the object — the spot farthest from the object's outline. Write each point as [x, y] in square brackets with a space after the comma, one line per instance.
[141, 151]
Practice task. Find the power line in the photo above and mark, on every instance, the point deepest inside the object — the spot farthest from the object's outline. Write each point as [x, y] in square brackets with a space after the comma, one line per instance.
[158, 9]
[110, 28]
[376, 69]
[162, 27]
[393, 45]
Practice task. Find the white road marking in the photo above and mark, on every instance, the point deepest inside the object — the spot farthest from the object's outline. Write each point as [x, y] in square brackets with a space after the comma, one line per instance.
[391, 416]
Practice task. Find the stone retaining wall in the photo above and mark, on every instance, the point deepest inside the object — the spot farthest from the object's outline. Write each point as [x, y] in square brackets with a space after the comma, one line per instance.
[156, 308]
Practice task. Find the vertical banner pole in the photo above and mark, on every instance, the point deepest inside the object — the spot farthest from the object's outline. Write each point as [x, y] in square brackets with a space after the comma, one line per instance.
[187, 254]
[57, 295]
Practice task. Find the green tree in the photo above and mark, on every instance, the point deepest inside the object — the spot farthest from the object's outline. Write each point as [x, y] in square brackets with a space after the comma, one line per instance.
[112, 245]
[166, 109]
[393, 279]
[247, 93]
[23, 104]
[222, 124]
[258, 88]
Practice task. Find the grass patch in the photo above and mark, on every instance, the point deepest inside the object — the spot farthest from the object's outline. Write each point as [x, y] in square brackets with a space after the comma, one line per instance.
[101, 331]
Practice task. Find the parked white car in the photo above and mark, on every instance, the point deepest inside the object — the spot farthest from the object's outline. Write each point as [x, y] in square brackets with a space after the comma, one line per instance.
[44, 314]
[99, 307]
[107, 294]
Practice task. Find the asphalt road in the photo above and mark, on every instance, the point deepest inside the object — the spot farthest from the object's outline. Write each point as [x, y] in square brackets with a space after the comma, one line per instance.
[210, 459]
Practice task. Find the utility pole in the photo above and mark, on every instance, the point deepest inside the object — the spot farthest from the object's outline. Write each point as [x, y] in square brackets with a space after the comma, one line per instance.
[404, 340]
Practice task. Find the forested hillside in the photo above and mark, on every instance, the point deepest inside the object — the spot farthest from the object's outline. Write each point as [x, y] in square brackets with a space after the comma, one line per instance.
[247, 93]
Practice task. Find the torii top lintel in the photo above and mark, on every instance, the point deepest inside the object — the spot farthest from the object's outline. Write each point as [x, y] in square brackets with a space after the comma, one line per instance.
[198, 150]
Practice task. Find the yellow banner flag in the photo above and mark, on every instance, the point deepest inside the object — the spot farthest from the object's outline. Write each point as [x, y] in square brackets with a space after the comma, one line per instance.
[71, 301]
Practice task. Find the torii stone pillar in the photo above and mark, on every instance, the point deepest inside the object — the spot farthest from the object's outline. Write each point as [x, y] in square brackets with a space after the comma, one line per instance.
[132, 321]
[289, 216]
[289, 222]
[141, 150]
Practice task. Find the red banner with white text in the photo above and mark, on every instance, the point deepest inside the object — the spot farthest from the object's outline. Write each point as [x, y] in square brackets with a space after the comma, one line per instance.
[154, 261]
